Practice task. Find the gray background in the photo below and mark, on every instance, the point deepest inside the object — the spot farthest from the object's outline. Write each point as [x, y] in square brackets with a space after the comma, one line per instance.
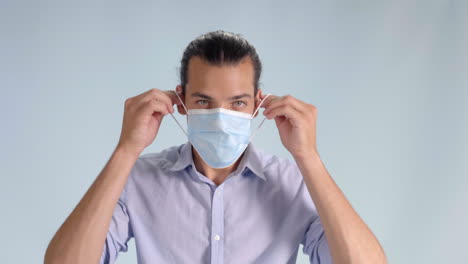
[389, 80]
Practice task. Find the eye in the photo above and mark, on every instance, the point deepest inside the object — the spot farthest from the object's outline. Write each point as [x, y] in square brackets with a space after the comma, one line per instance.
[202, 102]
[238, 103]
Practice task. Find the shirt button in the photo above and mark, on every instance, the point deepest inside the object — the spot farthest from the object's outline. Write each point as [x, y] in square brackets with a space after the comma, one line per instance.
[217, 237]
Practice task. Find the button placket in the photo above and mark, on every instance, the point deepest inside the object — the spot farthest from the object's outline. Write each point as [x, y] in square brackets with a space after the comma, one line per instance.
[217, 226]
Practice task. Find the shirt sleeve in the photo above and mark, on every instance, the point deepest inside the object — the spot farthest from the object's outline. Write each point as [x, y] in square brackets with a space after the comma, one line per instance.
[315, 243]
[119, 233]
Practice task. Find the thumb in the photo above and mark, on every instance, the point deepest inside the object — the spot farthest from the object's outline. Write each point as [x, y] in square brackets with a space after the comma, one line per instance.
[279, 120]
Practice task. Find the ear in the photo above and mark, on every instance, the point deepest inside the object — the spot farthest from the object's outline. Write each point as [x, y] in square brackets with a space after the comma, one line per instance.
[258, 99]
[180, 108]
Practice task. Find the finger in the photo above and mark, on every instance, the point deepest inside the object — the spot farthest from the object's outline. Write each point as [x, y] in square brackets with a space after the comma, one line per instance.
[135, 102]
[145, 97]
[169, 99]
[285, 100]
[271, 98]
[139, 97]
[173, 97]
[279, 120]
[154, 106]
[283, 110]
[160, 96]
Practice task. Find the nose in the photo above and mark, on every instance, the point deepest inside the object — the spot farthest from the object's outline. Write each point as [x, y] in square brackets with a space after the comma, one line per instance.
[218, 105]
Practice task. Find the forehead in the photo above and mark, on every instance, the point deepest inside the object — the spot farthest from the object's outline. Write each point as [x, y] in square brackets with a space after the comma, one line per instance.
[225, 80]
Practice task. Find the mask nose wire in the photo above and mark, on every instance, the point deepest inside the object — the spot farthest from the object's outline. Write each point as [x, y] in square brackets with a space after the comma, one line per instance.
[261, 123]
[176, 119]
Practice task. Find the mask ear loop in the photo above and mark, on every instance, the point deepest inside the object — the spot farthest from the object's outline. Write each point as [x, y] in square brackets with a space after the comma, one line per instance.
[185, 111]
[261, 123]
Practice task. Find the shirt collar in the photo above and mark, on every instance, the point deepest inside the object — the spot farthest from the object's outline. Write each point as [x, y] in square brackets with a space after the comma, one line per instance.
[251, 160]
[184, 159]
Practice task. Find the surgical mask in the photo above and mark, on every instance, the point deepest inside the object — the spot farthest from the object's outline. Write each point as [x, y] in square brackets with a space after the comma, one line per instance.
[219, 135]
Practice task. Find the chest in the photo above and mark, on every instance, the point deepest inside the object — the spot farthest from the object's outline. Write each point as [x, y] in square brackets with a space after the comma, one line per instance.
[236, 222]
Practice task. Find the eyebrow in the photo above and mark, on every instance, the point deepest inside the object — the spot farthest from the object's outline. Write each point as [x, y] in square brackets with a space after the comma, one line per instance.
[241, 96]
[204, 96]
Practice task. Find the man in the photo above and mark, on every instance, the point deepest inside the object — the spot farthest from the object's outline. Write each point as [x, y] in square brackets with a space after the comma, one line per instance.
[216, 198]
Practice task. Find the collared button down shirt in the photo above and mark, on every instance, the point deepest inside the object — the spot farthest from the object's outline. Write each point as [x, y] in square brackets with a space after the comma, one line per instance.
[261, 213]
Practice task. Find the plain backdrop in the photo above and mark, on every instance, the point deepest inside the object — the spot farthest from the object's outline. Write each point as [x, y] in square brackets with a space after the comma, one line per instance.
[389, 79]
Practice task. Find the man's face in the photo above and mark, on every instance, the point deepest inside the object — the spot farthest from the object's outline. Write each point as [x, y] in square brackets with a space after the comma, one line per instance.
[229, 87]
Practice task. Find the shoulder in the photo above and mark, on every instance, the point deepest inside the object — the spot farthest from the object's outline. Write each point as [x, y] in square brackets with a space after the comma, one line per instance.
[148, 165]
[163, 159]
[150, 169]
[279, 169]
[284, 177]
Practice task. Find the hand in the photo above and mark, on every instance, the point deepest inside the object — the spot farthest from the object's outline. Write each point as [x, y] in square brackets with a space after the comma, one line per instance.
[142, 118]
[296, 122]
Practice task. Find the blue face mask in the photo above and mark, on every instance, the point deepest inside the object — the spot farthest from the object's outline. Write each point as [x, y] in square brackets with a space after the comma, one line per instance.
[219, 135]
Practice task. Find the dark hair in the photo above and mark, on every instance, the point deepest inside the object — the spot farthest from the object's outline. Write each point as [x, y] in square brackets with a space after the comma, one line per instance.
[220, 48]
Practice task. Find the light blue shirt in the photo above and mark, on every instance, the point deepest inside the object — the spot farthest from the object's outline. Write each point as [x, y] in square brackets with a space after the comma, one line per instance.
[261, 213]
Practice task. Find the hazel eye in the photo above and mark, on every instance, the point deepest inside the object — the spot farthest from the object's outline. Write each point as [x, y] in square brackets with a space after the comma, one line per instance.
[238, 103]
[202, 102]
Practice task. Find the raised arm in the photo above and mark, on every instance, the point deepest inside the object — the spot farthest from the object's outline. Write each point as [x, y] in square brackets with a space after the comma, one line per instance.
[349, 238]
[81, 237]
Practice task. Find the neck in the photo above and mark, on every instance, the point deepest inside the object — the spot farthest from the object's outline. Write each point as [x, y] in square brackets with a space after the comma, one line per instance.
[216, 175]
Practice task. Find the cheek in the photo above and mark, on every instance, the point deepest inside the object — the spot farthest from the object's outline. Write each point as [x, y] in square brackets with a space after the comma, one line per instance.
[248, 109]
[193, 104]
